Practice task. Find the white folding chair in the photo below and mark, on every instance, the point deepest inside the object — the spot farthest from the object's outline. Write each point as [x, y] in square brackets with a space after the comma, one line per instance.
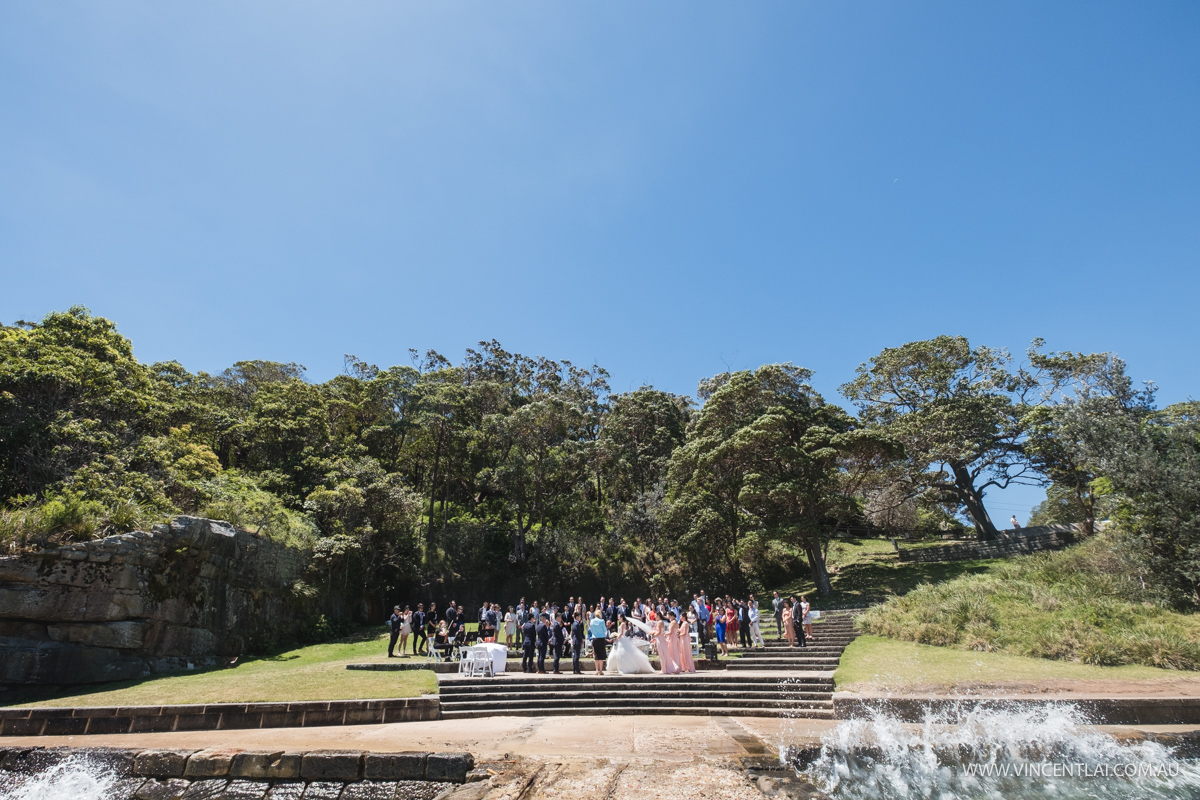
[464, 661]
[481, 663]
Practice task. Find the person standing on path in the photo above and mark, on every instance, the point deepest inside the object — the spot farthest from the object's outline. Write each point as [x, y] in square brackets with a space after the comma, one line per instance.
[578, 633]
[755, 633]
[420, 640]
[528, 641]
[743, 616]
[396, 620]
[798, 621]
[777, 603]
[431, 625]
[598, 632]
[543, 642]
[556, 641]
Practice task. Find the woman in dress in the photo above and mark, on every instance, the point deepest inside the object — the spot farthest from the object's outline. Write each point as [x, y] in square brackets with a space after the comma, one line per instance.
[625, 657]
[405, 629]
[807, 618]
[731, 624]
[719, 626]
[510, 626]
[683, 645]
[789, 630]
[665, 641]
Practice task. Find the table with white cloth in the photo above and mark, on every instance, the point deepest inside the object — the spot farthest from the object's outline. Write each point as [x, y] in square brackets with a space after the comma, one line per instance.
[497, 652]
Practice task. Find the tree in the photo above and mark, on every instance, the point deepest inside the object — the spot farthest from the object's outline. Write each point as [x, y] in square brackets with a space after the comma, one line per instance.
[71, 394]
[1150, 460]
[1098, 382]
[642, 430]
[762, 458]
[957, 412]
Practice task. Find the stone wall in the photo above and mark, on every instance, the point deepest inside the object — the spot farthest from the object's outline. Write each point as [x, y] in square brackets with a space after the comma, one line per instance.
[124, 606]
[1006, 543]
[236, 774]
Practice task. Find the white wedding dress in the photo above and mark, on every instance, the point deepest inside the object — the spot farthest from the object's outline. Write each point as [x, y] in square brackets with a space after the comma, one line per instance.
[626, 659]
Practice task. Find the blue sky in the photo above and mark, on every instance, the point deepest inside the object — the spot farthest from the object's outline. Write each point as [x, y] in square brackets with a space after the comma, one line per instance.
[668, 189]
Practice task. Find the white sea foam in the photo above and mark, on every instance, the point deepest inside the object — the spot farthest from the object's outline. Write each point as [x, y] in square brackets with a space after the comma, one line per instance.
[995, 754]
[75, 778]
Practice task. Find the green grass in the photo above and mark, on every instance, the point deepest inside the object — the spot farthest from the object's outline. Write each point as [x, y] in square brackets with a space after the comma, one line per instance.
[317, 672]
[876, 663]
[865, 571]
[1081, 604]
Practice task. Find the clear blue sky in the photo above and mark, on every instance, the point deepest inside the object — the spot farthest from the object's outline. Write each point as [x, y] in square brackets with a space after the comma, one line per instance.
[667, 188]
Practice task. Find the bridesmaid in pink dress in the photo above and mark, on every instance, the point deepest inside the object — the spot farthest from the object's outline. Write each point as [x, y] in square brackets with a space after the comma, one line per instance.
[683, 647]
[666, 649]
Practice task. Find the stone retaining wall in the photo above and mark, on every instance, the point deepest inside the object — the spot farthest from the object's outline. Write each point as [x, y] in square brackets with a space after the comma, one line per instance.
[1098, 710]
[218, 716]
[121, 607]
[172, 774]
[1007, 543]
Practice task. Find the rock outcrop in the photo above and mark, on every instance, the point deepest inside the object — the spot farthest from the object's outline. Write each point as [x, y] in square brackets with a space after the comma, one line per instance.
[124, 606]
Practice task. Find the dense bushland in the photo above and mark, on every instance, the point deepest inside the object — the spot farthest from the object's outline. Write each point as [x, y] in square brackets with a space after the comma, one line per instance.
[506, 474]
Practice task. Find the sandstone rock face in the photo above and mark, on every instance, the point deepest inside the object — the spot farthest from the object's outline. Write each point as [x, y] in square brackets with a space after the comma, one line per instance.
[125, 606]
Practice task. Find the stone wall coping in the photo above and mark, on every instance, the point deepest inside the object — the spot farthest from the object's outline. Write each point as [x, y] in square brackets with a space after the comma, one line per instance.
[214, 716]
[239, 763]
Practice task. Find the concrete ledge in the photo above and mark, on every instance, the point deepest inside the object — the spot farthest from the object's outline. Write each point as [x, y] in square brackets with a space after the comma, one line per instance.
[1097, 710]
[337, 766]
[217, 716]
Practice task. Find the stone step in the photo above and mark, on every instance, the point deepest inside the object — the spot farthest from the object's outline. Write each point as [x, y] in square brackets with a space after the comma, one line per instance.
[601, 704]
[777, 694]
[550, 711]
[448, 690]
[513, 682]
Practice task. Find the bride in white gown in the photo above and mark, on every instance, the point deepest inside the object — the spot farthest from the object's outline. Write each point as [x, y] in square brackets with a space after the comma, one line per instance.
[625, 657]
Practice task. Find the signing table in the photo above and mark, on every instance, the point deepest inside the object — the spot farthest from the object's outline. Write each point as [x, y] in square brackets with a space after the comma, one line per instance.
[497, 652]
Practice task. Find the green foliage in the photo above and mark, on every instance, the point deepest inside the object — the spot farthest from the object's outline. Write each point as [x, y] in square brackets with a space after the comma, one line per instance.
[957, 413]
[1095, 603]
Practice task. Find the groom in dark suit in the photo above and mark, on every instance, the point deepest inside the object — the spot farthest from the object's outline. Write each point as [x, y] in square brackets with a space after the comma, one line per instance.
[578, 632]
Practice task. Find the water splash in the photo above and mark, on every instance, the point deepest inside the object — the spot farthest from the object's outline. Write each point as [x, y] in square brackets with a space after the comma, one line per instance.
[994, 754]
[74, 778]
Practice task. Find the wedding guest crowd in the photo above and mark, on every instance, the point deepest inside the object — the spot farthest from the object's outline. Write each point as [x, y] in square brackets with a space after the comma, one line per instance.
[543, 629]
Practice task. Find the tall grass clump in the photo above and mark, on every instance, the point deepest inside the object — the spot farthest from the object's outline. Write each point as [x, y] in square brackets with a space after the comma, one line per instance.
[1092, 603]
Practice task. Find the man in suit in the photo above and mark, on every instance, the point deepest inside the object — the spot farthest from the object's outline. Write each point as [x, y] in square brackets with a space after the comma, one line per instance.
[418, 629]
[798, 621]
[528, 641]
[543, 642]
[556, 641]
[451, 614]
[396, 620]
[578, 632]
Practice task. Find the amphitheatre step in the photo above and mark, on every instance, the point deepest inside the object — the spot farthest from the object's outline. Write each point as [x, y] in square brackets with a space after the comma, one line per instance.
[619, 698]
[632, 710]
[509, 681]
[599, 704]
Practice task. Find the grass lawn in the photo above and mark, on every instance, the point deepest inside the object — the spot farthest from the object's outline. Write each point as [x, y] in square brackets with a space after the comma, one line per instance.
[865, 571]
[876, 663]
[317, 672]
